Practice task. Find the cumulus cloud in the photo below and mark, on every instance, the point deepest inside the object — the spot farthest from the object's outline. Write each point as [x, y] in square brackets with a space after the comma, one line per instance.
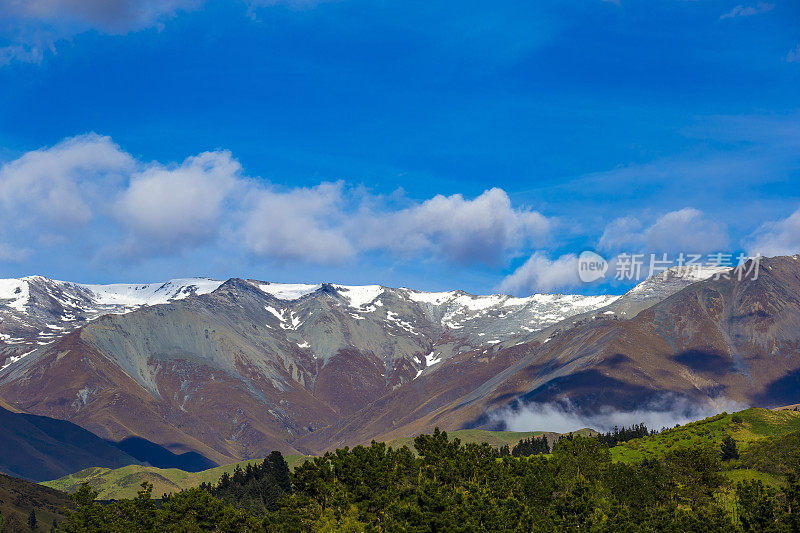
[126, 208]
[541, 274]
[303, 224]
[480, 230]
[620, 233]
[777, 238]
[57, 186]
[684, 230]
[748, 11]
[562, 417]
[169, 208]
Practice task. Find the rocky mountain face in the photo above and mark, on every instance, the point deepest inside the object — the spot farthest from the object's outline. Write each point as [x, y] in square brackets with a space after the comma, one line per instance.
[251, 366]
[712, 340]
[237, 370]
[34, 311]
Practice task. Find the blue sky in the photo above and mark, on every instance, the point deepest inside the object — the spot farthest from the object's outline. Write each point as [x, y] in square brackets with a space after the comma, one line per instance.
[438, 145]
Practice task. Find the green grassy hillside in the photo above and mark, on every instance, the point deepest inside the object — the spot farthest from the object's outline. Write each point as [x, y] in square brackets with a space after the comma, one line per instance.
[126, 481]
[745, 427]
[18, 497]
[760, 435]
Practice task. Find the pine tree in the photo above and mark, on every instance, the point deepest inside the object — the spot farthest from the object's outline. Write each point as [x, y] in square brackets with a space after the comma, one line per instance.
[32, 522]
[729, 450]
[87, 516]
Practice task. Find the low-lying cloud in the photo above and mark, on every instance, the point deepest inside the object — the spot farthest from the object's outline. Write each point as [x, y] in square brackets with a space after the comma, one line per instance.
[563, 417]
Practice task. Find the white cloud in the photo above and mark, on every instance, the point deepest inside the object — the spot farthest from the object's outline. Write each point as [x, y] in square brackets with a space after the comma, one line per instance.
[13, 254]
[166, 209]
[620, 233]
[748, 11]
[777, 238]
[482, 230]
[113, 16]
[57, 186]
[684, 230]
[127, 209]
[37, 25]
[541, 274]
[665, 411]
[303, 224]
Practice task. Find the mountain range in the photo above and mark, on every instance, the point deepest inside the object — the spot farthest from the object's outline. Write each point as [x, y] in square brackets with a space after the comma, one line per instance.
[233, 370]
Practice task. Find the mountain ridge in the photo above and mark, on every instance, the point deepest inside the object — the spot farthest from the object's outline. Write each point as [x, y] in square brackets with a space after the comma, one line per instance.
[254, 366]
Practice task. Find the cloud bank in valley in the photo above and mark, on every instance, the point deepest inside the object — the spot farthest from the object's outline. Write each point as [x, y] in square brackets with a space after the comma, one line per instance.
[562, 417]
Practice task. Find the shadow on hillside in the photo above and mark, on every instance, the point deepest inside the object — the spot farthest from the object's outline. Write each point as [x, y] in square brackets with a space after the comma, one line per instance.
[160, 457]
[708, 361]
[782, 391]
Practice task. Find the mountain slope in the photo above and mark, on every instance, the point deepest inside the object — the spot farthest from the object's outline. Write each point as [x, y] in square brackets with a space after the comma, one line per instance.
[251, 366]
[39, 448]
[18, 497]
[712, 340]
[35, 311]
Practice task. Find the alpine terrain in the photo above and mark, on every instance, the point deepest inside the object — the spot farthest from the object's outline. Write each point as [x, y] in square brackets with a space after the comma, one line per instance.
[233, 370]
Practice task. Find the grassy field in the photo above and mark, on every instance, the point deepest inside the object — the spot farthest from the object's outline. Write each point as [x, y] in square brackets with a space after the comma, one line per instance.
[746, 474]
[754, 424]
[126, 481]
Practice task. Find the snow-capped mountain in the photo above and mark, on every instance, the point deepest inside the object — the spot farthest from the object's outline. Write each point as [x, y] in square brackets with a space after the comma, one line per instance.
[237, 369]
[35, 310]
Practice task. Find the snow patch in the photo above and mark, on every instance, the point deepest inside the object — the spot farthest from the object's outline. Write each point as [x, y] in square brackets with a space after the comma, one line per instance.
[436, 298]
[360, 295]
[288, 291]
[16, 290]
[121, 294]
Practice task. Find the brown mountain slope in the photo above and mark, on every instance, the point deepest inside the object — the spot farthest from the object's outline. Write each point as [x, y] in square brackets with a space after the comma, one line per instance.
[96, 394]
[237, 373]
[738, 340]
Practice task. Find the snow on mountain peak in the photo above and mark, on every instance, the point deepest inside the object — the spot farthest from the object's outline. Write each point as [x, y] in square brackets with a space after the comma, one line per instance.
[287, 291]
[15, 290]
[360, 295]
[134, 295]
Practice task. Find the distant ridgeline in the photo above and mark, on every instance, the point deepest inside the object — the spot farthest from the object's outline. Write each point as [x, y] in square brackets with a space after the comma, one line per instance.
[725, 473]
[536, 445]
